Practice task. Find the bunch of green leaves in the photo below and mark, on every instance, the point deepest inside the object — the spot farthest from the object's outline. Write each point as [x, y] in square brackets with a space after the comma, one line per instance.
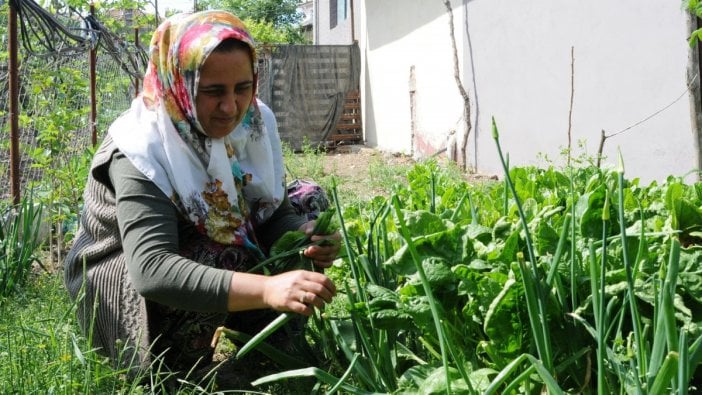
[287, 253]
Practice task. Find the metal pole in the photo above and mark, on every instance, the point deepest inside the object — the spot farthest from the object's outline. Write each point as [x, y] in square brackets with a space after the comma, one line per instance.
[93, 104]
[14, 105]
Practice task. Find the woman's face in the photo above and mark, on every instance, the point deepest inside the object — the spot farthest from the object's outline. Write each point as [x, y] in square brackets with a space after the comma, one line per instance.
[225, 91]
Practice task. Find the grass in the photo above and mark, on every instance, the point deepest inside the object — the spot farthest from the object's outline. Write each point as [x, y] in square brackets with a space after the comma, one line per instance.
[39, 341]
[308, 163]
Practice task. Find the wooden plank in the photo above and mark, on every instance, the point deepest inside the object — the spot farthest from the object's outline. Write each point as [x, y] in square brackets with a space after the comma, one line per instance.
[348, 126]
[285, 114]
[345, 136]
[350, 117]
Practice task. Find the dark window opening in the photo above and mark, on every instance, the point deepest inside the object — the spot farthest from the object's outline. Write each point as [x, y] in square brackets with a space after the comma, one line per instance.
[333, 16]
[338, 12]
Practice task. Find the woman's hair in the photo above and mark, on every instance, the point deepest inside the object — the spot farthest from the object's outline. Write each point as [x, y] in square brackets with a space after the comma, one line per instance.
[231, 45]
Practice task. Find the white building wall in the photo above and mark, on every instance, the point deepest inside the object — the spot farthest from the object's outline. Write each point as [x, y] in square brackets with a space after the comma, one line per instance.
[401, 35]
[630, 62]
[341, 33]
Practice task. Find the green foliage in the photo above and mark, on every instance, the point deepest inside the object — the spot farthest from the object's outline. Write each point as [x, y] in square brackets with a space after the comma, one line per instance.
[306, 164]
[435, 296]
[280, 13]
[54, 116]
[686, 215]
[695, 7]
[44, 351]
[380, 334]
[19, 241]
[141, 15]
[268, 21]
[493, 304]
[590, 209]
[59, 154]
[266, 33]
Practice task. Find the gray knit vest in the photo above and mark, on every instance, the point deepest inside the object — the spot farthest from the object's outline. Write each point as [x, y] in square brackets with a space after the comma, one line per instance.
[109, 310]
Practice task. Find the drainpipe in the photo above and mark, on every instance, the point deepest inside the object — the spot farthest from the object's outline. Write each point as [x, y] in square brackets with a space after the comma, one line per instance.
[353, 24]
[315, 10]
[694, 76]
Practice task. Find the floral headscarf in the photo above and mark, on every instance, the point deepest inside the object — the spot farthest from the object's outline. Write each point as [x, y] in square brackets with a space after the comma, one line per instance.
[221, 185]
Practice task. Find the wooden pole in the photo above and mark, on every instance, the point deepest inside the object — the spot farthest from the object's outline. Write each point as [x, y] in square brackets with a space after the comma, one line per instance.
[14, 105]
[136, 79]
[93, 104]
[156, 9]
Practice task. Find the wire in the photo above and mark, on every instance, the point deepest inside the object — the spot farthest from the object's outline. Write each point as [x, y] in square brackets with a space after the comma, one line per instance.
[689, 85]
[43, 35]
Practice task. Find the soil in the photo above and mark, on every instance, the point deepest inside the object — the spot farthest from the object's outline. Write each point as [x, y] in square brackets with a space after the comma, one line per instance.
[352, 161]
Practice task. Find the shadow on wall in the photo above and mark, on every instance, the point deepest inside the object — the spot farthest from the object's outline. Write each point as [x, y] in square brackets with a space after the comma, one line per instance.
[406, 19]
[370, 132]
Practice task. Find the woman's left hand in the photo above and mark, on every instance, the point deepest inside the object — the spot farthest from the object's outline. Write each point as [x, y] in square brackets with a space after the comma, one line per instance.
[322, 255]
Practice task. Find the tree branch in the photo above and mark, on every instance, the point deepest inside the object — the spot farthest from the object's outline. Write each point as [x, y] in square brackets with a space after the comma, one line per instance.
[461, 89]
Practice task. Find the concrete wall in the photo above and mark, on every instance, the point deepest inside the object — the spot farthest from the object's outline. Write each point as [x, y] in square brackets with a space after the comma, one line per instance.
[630, 63]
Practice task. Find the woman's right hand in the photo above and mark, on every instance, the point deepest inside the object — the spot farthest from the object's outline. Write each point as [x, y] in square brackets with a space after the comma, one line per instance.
[297, 291]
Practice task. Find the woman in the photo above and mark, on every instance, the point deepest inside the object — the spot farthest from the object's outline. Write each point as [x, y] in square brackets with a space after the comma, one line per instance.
[185, 194]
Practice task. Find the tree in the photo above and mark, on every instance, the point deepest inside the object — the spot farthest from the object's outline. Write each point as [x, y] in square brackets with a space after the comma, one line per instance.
[266, 33]
[269, 21]
[280, 13]
[464, 94]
